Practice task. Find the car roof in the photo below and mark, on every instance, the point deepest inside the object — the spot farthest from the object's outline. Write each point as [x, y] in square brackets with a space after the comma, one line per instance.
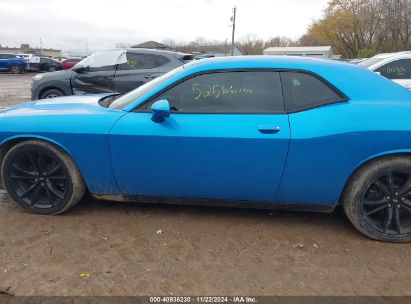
[355, 82]
[338, 73]
[154, 51]
[393, 55]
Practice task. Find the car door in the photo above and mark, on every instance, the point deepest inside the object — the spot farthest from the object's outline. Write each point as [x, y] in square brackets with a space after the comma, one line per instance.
[398, 71]
[226, 138]
[93, 80]
[139, 69]
[322, 141]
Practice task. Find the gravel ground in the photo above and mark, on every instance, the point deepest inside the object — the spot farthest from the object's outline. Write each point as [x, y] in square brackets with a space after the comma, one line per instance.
[14, 88]
[108, 248]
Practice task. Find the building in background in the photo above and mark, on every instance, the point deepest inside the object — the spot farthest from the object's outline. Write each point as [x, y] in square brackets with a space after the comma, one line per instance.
[199, 51]
[214, 51]
[26, 49]
[152, 45]
[308, 51]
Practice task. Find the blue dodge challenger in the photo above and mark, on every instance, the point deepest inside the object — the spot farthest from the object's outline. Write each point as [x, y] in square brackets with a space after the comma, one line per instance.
[267, 132]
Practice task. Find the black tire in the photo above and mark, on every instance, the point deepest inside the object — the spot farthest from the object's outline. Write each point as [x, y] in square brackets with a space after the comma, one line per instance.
[42, 178]
[377, 199]
[15, 69]
[51, 93]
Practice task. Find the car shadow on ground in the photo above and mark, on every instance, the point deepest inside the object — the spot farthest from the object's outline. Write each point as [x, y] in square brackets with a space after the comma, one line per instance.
[292, 224]
[335, 222]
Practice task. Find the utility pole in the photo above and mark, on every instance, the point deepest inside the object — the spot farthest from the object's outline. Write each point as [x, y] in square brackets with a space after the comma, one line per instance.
[41, 47]
[232, 36]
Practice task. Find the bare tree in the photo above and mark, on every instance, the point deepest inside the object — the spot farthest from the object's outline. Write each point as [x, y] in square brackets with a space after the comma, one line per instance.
[122, 45]
[359, 28]
[250, 44]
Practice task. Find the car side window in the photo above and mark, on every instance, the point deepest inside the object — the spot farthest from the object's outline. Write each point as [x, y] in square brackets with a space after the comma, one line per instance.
[304, 91]
[102, 68]
[160, 60]
[137, 61]
[226, 92]
[398, 69]
[2, 56]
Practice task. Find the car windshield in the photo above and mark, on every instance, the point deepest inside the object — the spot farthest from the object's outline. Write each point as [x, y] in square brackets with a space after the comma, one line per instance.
[101, 59]
[369, 62]
[145, 88]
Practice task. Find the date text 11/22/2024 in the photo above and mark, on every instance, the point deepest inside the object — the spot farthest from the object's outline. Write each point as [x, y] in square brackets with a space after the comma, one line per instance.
[205, 299]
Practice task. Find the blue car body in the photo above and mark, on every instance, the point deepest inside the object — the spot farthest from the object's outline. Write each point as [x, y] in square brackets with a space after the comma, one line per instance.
[122, 154]
[7, 61]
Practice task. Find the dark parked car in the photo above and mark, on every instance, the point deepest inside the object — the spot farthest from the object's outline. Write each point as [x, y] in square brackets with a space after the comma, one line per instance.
[142, 65]
[47, 65]
[12, 63]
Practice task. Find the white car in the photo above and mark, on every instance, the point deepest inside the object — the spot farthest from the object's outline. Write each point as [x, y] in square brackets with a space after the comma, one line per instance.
[394, 66]
[30, 58]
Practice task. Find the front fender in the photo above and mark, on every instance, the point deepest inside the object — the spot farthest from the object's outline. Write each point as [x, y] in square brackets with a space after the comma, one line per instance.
[6, 143]
[64, 86]
[33, 136]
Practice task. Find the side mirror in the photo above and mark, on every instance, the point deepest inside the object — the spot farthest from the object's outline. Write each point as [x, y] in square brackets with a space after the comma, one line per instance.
[79, 68]
[161, 110]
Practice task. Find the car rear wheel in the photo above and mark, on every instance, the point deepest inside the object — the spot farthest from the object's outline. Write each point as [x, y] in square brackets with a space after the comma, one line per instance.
[15, 69]
[52, 69]
[41, 178]
[378, 199]
[52, 93]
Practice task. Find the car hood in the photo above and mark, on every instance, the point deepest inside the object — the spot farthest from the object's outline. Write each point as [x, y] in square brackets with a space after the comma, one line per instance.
[59, 104]
[57, 75]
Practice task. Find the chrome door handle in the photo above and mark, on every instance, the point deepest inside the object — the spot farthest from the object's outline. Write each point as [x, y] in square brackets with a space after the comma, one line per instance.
[269, 129]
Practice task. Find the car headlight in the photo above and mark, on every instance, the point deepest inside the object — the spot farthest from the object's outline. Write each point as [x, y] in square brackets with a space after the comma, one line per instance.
[38, 77]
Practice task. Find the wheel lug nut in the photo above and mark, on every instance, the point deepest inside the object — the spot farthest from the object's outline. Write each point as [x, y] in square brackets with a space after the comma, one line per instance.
[402, 198]
[388, 197]
[396, 193]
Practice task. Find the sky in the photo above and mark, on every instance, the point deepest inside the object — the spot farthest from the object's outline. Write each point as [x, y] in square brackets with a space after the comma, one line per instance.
[96, 25]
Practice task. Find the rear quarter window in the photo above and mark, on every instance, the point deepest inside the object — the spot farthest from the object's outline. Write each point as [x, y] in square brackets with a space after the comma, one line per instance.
[303, 91]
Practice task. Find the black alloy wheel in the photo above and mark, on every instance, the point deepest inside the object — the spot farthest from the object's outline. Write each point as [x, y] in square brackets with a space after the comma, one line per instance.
[386, 204]
[41, 177]
[38, 179]
[377, 199]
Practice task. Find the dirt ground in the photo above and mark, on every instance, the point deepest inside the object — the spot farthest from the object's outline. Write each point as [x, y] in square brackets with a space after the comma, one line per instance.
[108, 248]
[14, 88]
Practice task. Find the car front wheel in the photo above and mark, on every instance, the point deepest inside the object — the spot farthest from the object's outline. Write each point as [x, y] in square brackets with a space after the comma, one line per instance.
[378, 199]
[41, 178]
[14, 69]
[51, 93]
